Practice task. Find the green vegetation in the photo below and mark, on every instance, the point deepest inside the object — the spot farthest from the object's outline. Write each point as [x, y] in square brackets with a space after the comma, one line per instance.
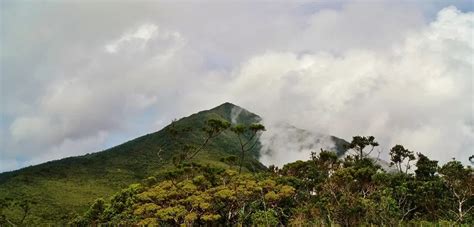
[248, 138]
[322, 191]
[195, 195]
[64, 189]
[201, 170]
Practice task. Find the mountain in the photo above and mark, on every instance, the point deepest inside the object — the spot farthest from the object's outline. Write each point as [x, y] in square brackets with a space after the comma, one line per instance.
[65, 188]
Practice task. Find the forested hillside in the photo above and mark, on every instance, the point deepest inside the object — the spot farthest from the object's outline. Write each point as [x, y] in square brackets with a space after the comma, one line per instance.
[322, 191]
[65, 188]
[204, 170]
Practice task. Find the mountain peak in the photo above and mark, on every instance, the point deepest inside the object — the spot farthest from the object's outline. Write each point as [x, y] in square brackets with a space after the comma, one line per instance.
[226, 105]
[235, 114]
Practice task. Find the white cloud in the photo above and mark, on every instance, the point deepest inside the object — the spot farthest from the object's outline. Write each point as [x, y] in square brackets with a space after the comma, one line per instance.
[101, 93]
[343, 68]
[418, 94]
[283, 143]
[140, 37]
[359, 24]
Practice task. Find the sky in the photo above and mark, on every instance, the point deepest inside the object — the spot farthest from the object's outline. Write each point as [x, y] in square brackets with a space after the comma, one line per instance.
[81, 76]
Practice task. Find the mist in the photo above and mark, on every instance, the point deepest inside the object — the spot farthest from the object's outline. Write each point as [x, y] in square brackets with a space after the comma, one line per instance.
[94, 79]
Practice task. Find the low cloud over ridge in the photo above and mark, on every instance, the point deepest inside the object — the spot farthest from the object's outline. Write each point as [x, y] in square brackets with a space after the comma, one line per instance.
[409, 82]
[418, 94]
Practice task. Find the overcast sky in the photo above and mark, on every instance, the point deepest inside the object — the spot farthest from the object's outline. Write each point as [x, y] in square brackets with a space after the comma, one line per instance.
[81, 76]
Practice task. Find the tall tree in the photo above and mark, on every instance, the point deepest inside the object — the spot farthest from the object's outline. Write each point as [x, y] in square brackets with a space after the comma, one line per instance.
[211, 129]
[398, 155]
[460, 182]
[248, 138]
[425, 168]
[358, 144]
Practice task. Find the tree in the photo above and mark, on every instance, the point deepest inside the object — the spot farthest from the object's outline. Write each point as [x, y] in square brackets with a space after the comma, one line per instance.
[358, 144]
[212, 129]
[248, 138]
[430, 191]
[5, 204]
[233, 199]
[398, 155]
[460, 182]
[403, 191]
[321, 191]
[23, 206]
[425, 168]
[325, 160]
[95, 212]
[230, 160]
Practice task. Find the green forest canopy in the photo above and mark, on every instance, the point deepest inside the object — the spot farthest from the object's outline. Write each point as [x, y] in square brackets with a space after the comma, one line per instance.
[323, 190]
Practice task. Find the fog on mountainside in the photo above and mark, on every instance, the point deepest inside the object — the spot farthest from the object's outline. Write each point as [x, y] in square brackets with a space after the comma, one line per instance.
[237, 113]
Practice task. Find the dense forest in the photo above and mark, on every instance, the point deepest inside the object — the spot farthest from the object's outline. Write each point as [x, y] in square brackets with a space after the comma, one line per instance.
[327, 189]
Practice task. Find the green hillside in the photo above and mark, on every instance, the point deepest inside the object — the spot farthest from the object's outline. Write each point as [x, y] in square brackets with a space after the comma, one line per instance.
[146, 182]
[66, 187]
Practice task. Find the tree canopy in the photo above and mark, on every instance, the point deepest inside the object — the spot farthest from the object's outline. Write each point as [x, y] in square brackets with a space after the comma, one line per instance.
[321, 191]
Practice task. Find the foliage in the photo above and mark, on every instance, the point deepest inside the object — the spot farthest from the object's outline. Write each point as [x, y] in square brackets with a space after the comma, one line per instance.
[7, 205]
[398, 155]
[358, 144]
[187, 151]
[66, 188]
[460, 182]
[209, 184]
[248, 138]
[204, 197]
[324, 190]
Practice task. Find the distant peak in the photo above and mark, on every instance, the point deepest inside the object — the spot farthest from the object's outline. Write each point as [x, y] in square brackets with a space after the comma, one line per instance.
[235, 114]
[227, 106]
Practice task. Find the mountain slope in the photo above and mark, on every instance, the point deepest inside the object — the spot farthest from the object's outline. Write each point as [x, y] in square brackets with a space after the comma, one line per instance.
[65, 188]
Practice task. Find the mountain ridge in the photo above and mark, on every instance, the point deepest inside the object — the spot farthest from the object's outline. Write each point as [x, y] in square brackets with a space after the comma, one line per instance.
[67, 186]
[222, 107]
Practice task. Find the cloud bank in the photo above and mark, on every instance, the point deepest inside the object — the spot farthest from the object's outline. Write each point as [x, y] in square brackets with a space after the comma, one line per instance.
[348, 68]
[419, 93]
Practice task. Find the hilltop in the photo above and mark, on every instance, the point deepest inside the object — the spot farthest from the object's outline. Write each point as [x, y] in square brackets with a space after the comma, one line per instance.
[65, 188]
